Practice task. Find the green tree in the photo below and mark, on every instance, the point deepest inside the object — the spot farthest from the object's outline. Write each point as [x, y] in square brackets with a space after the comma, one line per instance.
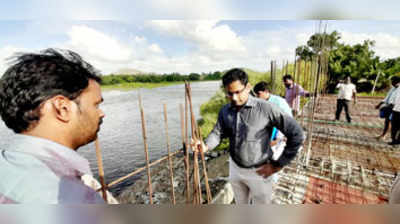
[317, 43]
[194, 77]
[357, 61]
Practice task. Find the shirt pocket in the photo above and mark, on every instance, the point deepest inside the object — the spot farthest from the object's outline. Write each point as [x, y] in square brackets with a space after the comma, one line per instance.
[254, 151]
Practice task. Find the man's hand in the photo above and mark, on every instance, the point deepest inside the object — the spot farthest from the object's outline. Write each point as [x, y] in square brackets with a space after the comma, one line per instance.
[267, 170]
[197, 144]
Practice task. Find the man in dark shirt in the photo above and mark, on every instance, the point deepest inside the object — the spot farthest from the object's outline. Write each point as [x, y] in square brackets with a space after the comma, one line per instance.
[248, 123]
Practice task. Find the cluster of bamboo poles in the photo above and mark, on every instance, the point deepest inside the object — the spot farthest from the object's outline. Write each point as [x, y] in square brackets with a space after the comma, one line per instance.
[196, 197]
[312, 77]
[320, 67]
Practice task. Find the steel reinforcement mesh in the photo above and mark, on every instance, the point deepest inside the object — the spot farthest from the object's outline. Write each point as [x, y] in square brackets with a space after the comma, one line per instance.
[345, 163]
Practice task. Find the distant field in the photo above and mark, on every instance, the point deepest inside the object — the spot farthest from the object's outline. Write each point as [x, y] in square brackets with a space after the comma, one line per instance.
[135, 85]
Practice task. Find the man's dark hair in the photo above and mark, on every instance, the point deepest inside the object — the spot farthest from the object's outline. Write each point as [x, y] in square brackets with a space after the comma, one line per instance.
[395, 80]
[36, 77]
[261, 86]
[235, 74]
[287, 77]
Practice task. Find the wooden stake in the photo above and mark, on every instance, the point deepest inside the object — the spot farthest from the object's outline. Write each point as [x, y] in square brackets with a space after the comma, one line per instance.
[171, 171]
[101, 170]
[196, 182]
[146, 149]
[186, 150]
[209, 196]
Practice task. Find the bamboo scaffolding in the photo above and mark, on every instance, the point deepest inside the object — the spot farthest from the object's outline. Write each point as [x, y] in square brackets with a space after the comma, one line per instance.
[150, 190]
[170, 163]
[196, 135]
[196, 178]
[101, 170]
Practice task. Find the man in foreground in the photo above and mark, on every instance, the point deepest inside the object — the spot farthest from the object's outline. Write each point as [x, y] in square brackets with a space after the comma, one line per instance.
[51, 101]
[248, 123]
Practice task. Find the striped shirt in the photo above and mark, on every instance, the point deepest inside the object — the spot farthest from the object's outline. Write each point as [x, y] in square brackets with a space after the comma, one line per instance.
[293, 94]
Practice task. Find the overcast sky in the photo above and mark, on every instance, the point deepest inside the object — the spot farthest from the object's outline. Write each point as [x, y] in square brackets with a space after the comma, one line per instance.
[178, 36]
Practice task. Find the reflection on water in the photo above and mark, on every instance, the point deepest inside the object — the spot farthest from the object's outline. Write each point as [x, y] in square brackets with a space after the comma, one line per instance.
[120, 136]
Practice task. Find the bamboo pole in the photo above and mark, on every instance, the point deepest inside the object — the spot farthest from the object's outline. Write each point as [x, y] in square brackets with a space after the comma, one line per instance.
[170, 163]
[199, 137]
[376, 80]
[196, 182]
[272, 77]
[150, 190]
[209, 196]
[101, 170]
[287, 66]
[187, 139]
[141, 169]
[186, 159]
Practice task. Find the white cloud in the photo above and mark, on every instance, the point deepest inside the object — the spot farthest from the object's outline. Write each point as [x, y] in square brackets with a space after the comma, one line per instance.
[5, 53]
[155, 48]
[211, 46]
[386, 45]
[97, 44]
[108, 53]
[205, 34]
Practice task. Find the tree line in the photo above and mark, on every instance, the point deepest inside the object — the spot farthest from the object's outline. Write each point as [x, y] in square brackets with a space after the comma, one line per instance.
[155, 78]
[357, 61]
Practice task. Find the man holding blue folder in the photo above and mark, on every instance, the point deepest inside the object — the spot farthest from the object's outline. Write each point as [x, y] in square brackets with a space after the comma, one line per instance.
[278, 141]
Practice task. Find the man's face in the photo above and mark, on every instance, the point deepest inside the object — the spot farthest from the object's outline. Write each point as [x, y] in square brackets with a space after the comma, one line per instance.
[288, 83]
[348, 80]
[89, 115]
[263, 95]
[237, 93]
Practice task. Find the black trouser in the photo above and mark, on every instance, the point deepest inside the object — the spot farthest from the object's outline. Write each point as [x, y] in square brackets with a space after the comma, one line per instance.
[340, 104]
[395, 126]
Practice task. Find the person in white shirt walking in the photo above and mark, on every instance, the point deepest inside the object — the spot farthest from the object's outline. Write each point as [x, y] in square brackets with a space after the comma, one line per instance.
[385, 107]
[395, 118]
[346, 91]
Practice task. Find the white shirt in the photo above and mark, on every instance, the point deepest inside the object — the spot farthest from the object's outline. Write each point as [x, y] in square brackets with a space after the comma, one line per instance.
[346, 90]
[393, 96]
[390, 95]
[396, 100]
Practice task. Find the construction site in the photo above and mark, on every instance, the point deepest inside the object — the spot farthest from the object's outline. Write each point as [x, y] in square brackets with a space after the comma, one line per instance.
[339, 163]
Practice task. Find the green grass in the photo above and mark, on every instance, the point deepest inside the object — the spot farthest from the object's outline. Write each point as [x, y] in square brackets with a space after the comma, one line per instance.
[135, 85]
[377, 94]
[209, 113]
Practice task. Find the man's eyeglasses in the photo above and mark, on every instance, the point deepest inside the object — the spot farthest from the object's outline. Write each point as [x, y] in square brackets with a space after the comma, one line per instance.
[230, 94]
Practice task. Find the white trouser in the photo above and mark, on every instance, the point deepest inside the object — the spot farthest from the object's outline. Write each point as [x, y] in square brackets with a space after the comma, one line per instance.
[248, 186]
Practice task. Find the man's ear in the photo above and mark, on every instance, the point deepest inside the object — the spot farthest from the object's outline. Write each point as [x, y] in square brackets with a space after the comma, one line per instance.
[62, 108]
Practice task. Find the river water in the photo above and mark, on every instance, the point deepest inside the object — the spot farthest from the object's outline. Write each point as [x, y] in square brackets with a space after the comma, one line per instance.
[120, 137]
